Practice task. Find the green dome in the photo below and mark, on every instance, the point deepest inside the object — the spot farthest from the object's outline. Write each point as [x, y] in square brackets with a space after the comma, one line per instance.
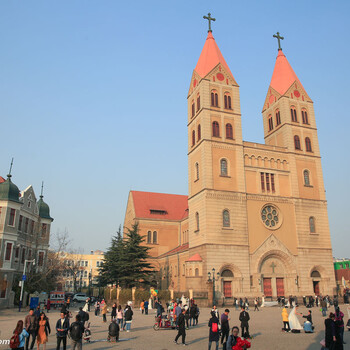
[44, 209]
[9, 191]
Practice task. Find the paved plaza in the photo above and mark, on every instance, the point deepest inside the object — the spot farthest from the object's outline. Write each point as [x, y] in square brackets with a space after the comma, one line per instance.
[265, 326]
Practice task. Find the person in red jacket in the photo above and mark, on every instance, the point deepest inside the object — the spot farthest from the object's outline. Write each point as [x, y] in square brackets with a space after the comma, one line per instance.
[234, 342]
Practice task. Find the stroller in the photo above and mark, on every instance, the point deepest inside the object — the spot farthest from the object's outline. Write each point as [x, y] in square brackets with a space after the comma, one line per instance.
[87, 333]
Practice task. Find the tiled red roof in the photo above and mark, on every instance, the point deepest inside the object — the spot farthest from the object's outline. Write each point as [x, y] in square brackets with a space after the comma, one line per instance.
[178, 249]
[163, 206]
[195, 257]
[2, 179]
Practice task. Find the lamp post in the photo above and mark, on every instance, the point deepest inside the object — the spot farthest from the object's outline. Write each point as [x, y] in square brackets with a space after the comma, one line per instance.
[90, 283]
[22, 282]
[212, 277]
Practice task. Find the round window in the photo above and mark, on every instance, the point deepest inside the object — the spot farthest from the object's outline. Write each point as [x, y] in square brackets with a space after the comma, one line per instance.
[270, 216]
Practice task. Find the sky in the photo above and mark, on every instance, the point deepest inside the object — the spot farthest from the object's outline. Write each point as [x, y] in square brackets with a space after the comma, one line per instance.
[93, 97]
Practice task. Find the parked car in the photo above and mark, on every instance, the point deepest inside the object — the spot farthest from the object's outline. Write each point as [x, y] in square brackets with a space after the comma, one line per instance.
[80, 297]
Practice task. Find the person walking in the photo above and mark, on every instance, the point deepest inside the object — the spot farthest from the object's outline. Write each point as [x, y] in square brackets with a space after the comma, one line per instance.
[68, 303]
[43, 331]
[339, 324]
[142, 306]
[114, 312]
[225, 326]
[286, 326]
[76, 331]
[104, 312]
[324, 307]
[332, 339]
[146, 307]
[196, 315]
[62, 327]
[244, 318]
[256, 304]
[19, 335]
[193, 310]
[48, 305]
[31, 324]
[181, 324]
[178, 311]
[214, 333]
[120, 317]
[128, 317]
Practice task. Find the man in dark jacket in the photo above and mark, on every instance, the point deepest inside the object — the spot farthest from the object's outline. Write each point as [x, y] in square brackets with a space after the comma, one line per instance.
[62, 327]
[31, 325]
[225, 326]
[128, 317]
[244, 318]
[214, 334]
[76, 331]
[113, 331]
[181, 323]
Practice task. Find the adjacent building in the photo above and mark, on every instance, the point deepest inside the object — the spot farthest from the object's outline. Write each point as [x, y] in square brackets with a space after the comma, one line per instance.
[342, 273]
[255, 213]
[25, 224]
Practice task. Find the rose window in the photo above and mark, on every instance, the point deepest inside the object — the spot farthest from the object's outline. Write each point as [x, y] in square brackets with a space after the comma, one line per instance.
[270, 216]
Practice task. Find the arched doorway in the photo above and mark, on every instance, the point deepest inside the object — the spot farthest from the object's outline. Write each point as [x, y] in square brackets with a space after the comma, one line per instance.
[316, 279]
[227, 278]
[273, 277]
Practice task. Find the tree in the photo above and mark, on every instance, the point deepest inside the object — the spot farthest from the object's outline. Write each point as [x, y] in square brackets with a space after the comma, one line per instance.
[126, 260]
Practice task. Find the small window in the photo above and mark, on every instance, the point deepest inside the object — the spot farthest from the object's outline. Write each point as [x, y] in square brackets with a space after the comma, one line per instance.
[308, 145]
[223, 167]
[216, 130]
[193, 138]
[198, 102]
[20, 223]
[26, 225]
[272, 182]
[214, 99]
[306, 178]
[193, 109]
[23, 255]
[226, 218]
[262, 178]
[229, 131]
[149, 237]
[270, 123]
[197, 171]
[199, 132]
[155, 238]
[304, 117]
[196, 272]
[293, 113]
[312, 224]
[227, 101]
[297, 142]
[278, 118]
[12, 217]
[197, 221]
[8, 251]
[267, 182]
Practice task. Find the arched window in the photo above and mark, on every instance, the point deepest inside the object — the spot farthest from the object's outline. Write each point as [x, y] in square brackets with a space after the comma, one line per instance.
[197, 171]
[214, 98]
[308, 145]
[227, 273]
[149, 237]
[223, 167]
[196, 272]
[199, 132]
[193, 109]
[226, 218]
[193, 138]
[304, 117]
[227, 101]
[306, 178]
[297, 142]
[278, 118]
[270, 122]
[197, 221]
[216, 130]
[315, 274]
[229, 131]
[198, 102]
[312, 224]
[293, 113]
[154, 237]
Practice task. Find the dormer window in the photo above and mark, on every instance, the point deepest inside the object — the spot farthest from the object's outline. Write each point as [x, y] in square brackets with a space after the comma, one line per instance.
[158, 212]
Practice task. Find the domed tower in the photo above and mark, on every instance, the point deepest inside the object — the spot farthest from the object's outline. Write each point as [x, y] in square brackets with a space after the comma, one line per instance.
[44, 216]
[9, 191]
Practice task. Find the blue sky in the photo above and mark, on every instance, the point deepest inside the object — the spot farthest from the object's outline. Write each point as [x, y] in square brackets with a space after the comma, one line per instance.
[93, 96]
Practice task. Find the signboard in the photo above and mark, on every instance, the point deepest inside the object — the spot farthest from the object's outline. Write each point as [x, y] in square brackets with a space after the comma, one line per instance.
[24, 277]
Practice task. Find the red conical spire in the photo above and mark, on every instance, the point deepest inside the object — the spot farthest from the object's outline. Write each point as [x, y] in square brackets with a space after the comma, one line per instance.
[283, 74]
[210, 57]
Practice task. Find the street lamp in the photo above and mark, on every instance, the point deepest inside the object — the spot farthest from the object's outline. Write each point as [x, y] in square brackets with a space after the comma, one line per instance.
[22, 282]
[90, 283]
[213, 278]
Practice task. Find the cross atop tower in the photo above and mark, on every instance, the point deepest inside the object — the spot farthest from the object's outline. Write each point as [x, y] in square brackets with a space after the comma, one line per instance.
[279, 38]
[9, 174]
[209, 18]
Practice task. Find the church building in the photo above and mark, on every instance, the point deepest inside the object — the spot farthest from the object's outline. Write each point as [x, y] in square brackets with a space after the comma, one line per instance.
[256, 214]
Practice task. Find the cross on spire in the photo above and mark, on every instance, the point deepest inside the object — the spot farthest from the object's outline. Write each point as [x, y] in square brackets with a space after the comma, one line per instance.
[279, 38]
[273, 267]
[42, 189]
[209, 18]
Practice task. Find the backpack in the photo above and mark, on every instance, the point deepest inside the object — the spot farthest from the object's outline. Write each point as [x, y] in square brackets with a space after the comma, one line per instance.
[14, 341]
[214, 327]
[75, 331]
[86, 316]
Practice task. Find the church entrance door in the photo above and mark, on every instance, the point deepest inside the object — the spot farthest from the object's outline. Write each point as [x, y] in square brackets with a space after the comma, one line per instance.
[316, 287]
[267, 287]
[280, 287]
[227, 289]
